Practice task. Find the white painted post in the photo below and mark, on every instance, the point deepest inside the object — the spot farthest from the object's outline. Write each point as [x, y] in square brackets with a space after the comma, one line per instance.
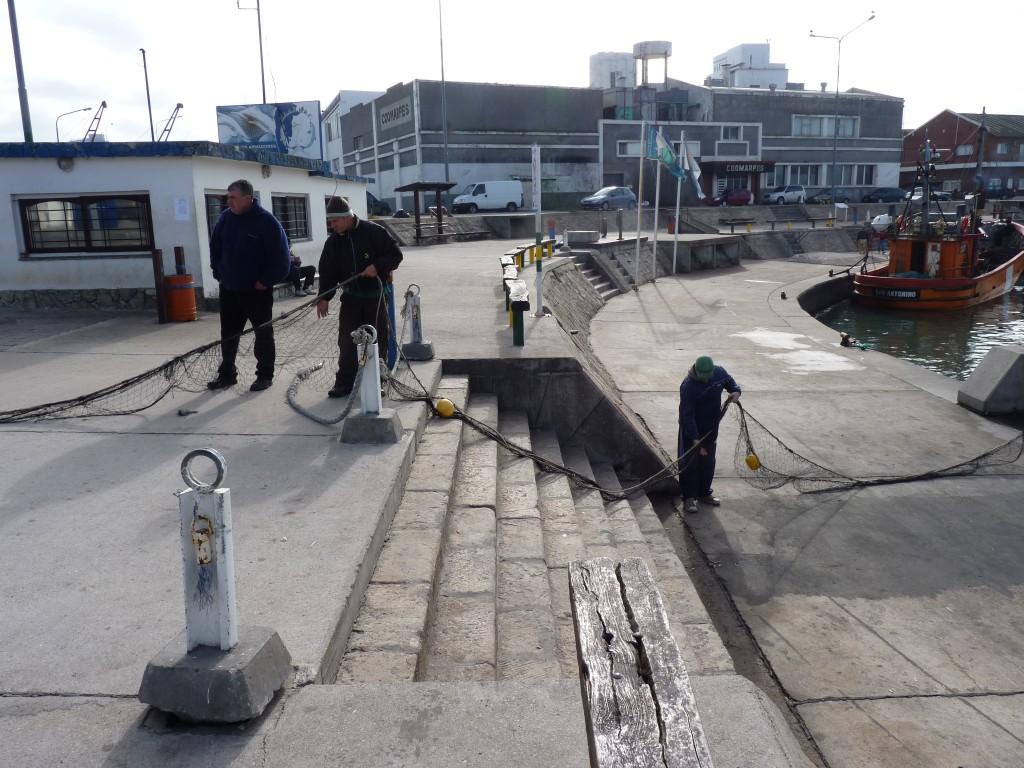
[208, 557]
[412, 306]
[369, 386]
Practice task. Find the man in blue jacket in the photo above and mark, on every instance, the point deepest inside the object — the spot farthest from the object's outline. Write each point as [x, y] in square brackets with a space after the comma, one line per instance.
[248, 255]
[700, 408]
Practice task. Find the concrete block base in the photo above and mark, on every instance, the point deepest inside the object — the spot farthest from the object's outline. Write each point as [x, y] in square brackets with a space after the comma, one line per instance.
[383, 427]
[996, 386]
[209, 685]
[581, 237]
[422, 350]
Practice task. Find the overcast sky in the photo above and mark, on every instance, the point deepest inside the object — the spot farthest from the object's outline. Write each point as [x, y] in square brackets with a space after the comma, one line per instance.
[205, 53]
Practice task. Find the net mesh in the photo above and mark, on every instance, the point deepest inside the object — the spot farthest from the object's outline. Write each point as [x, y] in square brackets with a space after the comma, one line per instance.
[306, 344]
[763, 461]
[307, 357]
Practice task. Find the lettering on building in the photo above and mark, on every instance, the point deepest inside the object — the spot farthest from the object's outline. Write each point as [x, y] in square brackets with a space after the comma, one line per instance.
[395, 114]
[749, 167]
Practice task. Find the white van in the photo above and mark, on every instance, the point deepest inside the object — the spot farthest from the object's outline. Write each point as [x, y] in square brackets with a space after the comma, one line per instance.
[489, 196]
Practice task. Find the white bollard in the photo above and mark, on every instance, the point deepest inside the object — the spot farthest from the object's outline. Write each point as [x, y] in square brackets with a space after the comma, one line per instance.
[369, 387]
[417, 349]
[412, 303]
[208, 557]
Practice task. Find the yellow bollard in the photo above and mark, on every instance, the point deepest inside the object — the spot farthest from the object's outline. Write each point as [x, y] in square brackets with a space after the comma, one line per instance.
[533, 254]
[510, 318]
[789, 225]
[749, 229]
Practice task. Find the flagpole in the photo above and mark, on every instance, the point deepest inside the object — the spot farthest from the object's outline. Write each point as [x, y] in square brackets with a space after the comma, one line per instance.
[640, 203]
[679, 192]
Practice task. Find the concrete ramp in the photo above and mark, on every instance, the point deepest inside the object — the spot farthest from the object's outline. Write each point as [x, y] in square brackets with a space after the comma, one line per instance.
[996, 386]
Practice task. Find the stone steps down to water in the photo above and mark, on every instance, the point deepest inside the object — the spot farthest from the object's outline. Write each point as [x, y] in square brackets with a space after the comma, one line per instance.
[472, 582]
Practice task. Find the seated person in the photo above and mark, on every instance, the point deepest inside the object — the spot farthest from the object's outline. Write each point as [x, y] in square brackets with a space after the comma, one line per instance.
[301, 277]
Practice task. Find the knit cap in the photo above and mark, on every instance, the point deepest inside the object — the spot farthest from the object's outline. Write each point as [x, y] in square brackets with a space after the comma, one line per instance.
[338, 208]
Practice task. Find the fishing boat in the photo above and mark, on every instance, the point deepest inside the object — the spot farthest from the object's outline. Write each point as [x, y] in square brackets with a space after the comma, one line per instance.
[940, 260]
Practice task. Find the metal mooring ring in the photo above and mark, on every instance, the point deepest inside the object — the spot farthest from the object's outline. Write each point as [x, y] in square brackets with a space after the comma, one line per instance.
[218, 462]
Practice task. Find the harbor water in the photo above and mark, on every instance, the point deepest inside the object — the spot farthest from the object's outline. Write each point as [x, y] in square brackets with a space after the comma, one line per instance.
[951, 342]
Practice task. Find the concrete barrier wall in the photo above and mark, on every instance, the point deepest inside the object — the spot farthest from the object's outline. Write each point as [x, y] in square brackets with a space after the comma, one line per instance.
[825, 294]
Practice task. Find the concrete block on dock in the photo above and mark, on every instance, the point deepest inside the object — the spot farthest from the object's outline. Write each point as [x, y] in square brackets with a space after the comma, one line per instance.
[996, 386]
[581, 237]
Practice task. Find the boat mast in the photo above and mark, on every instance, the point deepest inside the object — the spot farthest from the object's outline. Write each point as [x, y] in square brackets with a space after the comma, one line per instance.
[926, 186]
[979, 180]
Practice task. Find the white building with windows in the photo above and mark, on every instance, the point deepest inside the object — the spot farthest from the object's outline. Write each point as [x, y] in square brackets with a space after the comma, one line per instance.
[83, 220]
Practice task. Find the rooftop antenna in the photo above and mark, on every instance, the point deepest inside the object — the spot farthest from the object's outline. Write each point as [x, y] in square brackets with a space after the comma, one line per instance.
[166, 132]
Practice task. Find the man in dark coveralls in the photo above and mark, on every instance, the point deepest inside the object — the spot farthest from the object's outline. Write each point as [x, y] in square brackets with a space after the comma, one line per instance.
[248, 255]
[700, 406]
[366, 249]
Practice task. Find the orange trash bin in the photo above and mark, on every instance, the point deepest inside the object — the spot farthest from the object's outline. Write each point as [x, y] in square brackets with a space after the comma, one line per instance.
[180, 293]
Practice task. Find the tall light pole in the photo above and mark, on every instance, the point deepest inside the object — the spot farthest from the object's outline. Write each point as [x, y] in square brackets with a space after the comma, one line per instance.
[835, 127]
[259, 29]
[57, 121]
[26, 120]
[149, 104]
[444, 105]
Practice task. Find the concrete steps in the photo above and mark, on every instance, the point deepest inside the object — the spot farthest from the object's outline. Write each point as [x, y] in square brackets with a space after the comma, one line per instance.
[469, 602]
[472, 581]
[386, 642]
[460, 641]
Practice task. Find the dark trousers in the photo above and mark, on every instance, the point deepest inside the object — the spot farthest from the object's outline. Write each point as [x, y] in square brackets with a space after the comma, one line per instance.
[237, 307]
[355, 312]
[696, 472]
[302, 277]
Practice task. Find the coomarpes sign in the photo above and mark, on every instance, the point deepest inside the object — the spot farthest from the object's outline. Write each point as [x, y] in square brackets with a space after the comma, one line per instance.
[396, 113]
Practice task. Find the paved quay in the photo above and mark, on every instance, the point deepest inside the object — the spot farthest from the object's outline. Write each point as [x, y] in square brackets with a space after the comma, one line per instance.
[890, 615]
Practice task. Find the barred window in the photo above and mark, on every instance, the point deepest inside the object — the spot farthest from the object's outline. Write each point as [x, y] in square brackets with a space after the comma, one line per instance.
[293, 213]
[215, 206]
[87, 224]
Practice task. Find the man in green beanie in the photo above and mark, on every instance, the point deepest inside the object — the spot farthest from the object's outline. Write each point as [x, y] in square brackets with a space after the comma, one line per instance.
[700, 409]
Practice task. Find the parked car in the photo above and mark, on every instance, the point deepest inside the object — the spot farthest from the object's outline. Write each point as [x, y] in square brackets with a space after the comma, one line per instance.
[610, 197]
[1000, 193]
[787, 193]
[884, 195]
[838, 195]
[505, 195]
[937, 194]
[732, 197]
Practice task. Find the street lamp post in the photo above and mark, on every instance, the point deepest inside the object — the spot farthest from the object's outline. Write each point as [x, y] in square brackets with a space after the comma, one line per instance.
[56, 122]
[444, 106]
[149, 104]
[259, 30]
[835, 127]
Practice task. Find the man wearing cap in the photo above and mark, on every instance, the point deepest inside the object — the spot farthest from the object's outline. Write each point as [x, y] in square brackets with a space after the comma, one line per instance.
[248, 255]
[700, 407]
[363, 248]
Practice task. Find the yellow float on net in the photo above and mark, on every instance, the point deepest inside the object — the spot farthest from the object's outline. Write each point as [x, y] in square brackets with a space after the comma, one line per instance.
[753, 462]
[445, 407]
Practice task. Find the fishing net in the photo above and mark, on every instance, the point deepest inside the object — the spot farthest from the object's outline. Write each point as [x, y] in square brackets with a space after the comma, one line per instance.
[307, 356]
[763, 461]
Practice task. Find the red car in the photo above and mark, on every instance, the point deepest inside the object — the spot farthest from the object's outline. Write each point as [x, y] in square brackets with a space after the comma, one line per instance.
[733, 197]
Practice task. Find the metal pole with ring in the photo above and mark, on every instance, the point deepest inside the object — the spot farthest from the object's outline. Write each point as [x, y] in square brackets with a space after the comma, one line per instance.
[207, 556]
